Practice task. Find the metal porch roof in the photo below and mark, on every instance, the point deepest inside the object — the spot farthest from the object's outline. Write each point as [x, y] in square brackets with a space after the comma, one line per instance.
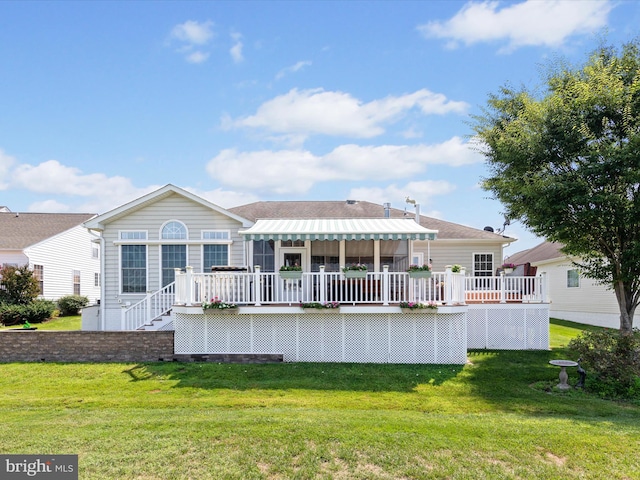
[338, 229]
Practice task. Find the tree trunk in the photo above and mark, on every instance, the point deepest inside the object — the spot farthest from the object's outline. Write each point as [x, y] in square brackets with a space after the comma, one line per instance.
[626, 306]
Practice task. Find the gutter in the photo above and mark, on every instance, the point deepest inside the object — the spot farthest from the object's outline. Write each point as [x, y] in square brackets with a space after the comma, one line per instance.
[102, 282]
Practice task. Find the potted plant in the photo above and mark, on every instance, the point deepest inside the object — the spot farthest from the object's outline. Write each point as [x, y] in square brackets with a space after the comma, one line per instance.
[217, 305]
[355, 270]
[313, 307]
[419, 271]
[456, 268]
[413, 307]
[291, 272]
[508, 267]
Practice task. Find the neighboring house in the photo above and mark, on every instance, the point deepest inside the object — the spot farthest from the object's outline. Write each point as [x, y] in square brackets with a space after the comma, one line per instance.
[166, 253]
[61, 252]
[572, 296]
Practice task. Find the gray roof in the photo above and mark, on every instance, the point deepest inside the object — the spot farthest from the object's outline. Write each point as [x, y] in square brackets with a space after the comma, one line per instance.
[357, 209]
[539, 253]
[21, 230]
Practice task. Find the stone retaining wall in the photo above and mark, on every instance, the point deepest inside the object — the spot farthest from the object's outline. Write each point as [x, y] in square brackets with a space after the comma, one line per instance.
[85, 346]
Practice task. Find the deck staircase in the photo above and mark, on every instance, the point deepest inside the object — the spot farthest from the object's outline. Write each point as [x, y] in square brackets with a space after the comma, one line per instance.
[152, 312]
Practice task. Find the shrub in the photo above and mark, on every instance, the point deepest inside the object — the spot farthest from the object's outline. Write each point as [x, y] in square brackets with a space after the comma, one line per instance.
[71, 304]
[612, 362]
[35, 312]
[19, 286]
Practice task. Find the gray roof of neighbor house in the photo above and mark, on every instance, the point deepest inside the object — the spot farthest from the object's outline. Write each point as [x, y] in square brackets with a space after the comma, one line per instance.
[539, 253]
[21, 230]
[357, 209]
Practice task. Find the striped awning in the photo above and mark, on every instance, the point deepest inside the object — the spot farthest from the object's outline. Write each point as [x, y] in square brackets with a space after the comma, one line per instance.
[339, 229]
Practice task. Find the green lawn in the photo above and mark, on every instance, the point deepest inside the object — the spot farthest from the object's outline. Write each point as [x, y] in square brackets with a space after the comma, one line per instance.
[60, 323]
[497, 417]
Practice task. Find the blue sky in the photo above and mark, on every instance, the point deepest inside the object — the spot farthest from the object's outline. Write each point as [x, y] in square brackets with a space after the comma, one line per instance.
[101, 102]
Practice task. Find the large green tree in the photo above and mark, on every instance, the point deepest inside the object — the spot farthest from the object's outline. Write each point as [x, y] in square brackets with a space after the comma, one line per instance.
[565, 161]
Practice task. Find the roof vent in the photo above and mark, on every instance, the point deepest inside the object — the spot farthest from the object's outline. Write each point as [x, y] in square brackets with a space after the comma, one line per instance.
[488, 229]
[351, 202]
[387, 210]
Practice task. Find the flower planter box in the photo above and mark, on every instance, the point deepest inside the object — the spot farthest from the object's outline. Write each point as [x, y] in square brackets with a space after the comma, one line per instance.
[419, 310]
[355, 274]
[321, 310]
[507, 271]
[420, 274]
[220, 311]
[291, 275]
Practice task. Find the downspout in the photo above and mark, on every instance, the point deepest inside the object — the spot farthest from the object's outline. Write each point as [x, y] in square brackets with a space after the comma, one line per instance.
[102, 282]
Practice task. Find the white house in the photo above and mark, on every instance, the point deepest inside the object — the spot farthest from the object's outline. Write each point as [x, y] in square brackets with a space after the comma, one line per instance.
[168, 251]
[61, 252]
[572, 296]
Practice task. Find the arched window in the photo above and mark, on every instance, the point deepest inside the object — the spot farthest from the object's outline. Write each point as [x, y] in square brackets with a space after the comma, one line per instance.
[174, 231]
[173, 255]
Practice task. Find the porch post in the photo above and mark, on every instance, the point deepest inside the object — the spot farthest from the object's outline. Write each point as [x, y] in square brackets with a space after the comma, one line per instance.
[257, 291]
[322, 285]
[448, 284]
[543, 287]
[188, 286]
[502, 288]
[385, 285]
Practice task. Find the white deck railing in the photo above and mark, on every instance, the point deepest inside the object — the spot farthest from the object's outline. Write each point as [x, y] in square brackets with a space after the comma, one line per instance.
[153, 306]
[379, 288]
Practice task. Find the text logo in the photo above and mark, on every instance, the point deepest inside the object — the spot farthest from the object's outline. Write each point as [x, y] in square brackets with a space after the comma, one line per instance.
[49, 467]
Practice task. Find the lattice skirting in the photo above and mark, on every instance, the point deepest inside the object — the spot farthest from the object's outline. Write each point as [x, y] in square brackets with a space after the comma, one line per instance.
[508, 327]
[328, 337]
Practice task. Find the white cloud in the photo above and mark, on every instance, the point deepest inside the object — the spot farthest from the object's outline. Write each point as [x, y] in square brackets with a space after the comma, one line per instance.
[50, 206]
[52, 178]
[280, 172]
[292, 69]
[530, 23]
[316, 111]
[225, 198]
[6, 162]
[236, 49]
[193, 33]
[197, 57]
[423, 192]
[193, 36]
[297, 171]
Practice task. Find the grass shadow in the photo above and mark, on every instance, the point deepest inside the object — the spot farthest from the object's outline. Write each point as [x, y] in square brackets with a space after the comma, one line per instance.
[296, 376]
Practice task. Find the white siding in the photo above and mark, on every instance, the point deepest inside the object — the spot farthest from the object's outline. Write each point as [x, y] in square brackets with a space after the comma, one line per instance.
[151, 218]
[13, 257]
[60, 256]
[590, 303]
[445, 253]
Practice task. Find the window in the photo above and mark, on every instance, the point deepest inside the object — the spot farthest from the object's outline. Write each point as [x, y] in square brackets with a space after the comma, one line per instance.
[133, 235]
[263, 255]
[359, 251]
[95, 252]
[292, 243]
[217, 255]
[483, 264]
[134, 268]
[38, 273]
[394, 253]
[573, 278]
[174, 231]
[96, 279]
[216, 235]
[327, 253]
[173, 256]
[76, 282]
